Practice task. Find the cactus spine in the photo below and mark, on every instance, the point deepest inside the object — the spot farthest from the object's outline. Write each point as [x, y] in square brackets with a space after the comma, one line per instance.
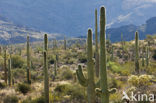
[5, 67]
[9, 72]
[96, 46]
[46, 78]
[137, 52]
[89, 83]
[28, 62]
[103, 67]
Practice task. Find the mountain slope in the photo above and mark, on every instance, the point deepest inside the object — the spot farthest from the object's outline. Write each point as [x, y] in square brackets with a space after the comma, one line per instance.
[74, 17]
[128, 31]
[11, 33]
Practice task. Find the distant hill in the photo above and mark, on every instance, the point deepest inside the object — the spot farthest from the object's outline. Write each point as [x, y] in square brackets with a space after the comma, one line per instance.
[73, 17]
[128, 31]
[11, 33]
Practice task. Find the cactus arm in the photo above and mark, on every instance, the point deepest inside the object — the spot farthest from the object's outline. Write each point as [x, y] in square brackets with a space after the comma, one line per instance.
[113, 90]
[81, 78]
[110, 91]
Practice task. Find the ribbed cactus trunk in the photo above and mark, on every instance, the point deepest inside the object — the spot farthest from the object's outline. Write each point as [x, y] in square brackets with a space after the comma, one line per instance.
[9, 72]
[103, 67]
[90, 70]
[46, 77]
[147, 56]
[5, 67]
[65, 45]
[28, 62]
[96, 46]
[137, 52]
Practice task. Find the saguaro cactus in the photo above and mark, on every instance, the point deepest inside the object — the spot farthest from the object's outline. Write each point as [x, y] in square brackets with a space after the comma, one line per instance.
[9, 72]
[96, 46]
[46, 77]
[55, 66]
[137, 52]
[28, 62]
[147, 56]
[5, 67]
[112, 53]
[103, 67]
[89, 83]
[65, 45]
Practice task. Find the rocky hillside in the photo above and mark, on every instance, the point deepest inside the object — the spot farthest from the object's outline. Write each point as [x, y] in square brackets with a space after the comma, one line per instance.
[11, 33]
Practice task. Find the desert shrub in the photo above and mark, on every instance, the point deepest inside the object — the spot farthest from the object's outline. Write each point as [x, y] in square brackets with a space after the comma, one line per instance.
[2, 85]
[116, 98]
[82, 58]
[10, 99]
[51, 59]
[74, 91]
[23, 88]
[142, 80]
[18, 73]
[124, 69]
[38, 100]
[69, 61]
[66, 74]
[17, 61]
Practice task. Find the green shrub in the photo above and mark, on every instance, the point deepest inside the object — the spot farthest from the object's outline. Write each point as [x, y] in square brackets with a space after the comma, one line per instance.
[38, 100]
[10, 99]
[24, 88]
[66, 74]
[2, 85]
[51, 59]
[138, 81]
[18, 73]
[75, 92]
[17, 61]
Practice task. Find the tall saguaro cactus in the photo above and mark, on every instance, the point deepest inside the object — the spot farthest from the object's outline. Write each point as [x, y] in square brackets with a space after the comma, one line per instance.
[103, 67]
[5, 67]
[28, 62]
[137, 52]
[46, 77]
[89, 83]
[9, 71]
[96, 46]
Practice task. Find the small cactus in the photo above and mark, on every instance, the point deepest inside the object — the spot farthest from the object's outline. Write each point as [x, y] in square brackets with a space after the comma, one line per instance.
[147, 56]
[9, 72]
[28, 62]
[46, 77]
[137, 52]
[65, 44]
[112, 53]
[5, 67]
[55, 66]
